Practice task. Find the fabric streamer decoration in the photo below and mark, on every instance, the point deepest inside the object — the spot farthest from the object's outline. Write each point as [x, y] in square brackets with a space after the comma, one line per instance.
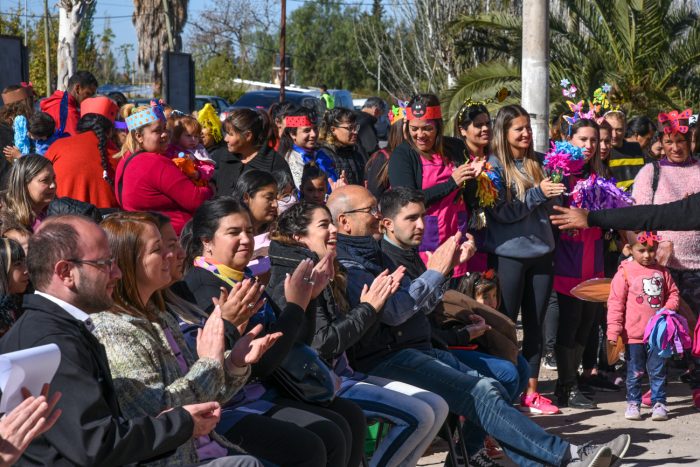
[21, 134]
[488, 183]
[595, 193]
[563, 159]
[667, 333]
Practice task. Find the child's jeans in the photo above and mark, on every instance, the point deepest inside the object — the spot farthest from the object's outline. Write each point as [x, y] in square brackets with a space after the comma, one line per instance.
[639, 358]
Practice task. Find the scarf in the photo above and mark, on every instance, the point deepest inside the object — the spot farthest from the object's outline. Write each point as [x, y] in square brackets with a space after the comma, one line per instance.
[266, 315]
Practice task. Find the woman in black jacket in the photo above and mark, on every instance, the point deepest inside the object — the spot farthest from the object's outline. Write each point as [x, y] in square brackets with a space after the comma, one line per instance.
[338, 140]
[218, 248]
[303, 232]
[434, 164]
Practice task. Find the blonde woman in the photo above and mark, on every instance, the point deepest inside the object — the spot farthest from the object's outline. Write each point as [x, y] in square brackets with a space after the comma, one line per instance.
[519, 239]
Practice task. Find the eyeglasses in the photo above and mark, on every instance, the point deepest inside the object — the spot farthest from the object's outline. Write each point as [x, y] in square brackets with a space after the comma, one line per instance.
[351, 129]
[110, 262]
[289, 196]
[371, 210]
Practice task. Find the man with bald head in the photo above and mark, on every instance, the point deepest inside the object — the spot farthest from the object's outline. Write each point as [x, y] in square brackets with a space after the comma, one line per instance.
[74, 274]
[398, 346]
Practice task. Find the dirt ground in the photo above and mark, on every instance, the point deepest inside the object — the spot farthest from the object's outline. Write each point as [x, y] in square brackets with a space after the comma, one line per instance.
[671, 443]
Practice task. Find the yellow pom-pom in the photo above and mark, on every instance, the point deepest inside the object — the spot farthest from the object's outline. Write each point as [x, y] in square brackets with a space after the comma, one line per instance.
[208, 118]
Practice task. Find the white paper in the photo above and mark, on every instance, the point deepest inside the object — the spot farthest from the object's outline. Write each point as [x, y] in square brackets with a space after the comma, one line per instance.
[28, 368]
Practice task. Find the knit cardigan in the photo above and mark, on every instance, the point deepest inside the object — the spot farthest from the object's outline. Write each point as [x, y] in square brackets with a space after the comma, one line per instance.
[675, 183]
[147, 378]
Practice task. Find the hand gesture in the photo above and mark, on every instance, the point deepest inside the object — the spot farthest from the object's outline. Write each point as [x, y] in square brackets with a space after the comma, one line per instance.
[11, 153]
[342, 181]
[298, 287]
[446, 257]
[396, 277]
[378, 293]
[210, 339]
[205, 417]
[463, 173]
[551, 189]
[33, 417]
[467, 249]
[324, 272]
[478, 328]
[570, 218]
[248, 350]
[242, 302]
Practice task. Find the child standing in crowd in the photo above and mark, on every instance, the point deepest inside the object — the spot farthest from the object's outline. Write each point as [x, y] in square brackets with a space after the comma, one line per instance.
[640, 288]
[298, 144]
[314, 183]
[187, 151]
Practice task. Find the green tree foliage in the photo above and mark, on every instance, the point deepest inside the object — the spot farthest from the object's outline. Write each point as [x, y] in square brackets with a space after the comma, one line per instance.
[647, 49]
[320, 38]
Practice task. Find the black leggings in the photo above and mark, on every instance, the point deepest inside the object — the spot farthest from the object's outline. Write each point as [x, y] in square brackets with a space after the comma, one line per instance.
[526, 285]
[576, 319]
[298, 434]
[551, 323]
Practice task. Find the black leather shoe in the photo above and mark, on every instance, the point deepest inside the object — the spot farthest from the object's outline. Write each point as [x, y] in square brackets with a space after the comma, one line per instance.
[577, 400]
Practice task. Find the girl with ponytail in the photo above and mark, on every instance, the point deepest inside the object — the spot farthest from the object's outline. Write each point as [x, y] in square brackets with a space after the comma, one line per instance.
[84, 163]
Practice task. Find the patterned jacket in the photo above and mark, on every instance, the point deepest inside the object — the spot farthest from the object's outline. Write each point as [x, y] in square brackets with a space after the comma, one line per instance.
[147, 377]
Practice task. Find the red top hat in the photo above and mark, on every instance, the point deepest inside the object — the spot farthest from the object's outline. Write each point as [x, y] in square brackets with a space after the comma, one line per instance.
[99, 105]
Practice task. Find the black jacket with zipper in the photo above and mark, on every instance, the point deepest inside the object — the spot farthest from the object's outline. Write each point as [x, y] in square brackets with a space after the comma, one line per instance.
[331, 331]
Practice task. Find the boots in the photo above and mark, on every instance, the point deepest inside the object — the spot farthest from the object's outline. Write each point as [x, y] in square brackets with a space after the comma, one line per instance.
[567, 391]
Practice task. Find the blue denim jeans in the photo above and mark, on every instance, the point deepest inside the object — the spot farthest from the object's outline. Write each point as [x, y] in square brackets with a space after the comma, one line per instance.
[513, 378]
[415, 416]
[480, 401]
[640, 360]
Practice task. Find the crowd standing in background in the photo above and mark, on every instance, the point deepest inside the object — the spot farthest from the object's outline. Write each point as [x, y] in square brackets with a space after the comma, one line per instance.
[258, 290]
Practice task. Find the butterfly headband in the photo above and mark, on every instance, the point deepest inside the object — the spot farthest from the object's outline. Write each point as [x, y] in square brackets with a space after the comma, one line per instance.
[501, 95]
[397, 112]
[673, 121]
[146, 116]
[297, 121]
[648, 238]
[420, 112]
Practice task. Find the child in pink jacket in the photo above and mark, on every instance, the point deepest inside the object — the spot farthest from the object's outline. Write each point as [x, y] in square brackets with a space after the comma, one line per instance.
[640, 288]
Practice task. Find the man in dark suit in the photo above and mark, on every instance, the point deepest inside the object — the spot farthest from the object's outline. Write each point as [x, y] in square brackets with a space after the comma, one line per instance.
[74, 274]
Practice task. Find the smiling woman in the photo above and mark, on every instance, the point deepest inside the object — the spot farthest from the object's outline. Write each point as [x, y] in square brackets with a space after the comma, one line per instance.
[31, 187]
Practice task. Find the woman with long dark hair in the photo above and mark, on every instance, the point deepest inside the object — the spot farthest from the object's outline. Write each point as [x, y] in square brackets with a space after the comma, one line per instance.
[434, 163]
[84, 163]
[338, 140]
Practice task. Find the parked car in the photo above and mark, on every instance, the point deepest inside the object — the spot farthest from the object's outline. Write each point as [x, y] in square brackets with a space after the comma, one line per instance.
[220, 104]
[265, 98]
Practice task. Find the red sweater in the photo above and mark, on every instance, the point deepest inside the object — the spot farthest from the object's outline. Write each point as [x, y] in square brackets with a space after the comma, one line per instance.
[153, 183]
[52, 106]
[636, 293]
[78, 166]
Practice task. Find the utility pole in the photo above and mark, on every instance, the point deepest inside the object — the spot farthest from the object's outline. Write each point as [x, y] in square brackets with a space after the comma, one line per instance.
[171, 43]
[535, 69]
[283, 49]
[47, 48]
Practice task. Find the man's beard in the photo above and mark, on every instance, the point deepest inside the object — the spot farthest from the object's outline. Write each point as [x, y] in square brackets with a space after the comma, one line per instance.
[91, 297]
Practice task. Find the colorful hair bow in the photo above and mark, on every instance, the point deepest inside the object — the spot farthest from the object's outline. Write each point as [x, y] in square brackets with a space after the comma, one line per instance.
[673, 121]
[397, 112]
[648, 238]
[489, 274]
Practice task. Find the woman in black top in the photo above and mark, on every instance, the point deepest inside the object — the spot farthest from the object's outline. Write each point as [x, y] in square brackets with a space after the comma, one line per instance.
[218, 249]
[247, 134]
[338, 139]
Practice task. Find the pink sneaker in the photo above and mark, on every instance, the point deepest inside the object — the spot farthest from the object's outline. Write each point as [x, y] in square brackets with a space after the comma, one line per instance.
[696, 398]
[537, 404]
[646, 399]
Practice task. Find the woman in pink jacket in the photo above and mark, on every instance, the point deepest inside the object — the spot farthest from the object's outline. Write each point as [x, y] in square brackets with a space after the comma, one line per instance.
[147, 180]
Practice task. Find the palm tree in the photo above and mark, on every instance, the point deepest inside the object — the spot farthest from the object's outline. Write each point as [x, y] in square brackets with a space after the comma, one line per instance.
[648, 50]
[150, 21]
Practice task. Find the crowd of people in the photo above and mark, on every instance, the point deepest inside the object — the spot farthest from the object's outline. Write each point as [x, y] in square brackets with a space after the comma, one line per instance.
[258, 291]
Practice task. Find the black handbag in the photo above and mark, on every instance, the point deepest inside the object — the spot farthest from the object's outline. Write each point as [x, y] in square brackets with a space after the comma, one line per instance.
[305, 376]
